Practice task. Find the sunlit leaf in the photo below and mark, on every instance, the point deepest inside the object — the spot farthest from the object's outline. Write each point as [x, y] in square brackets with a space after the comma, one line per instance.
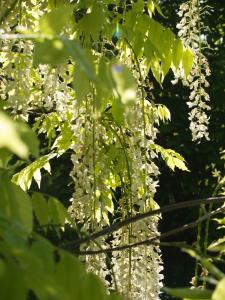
[125, 84]
[54, 22]
[10, 137]
[93, 21]
[50, 51]
[187, 61]
[171, 157]
[25, 176]
[219, 293]
[177, 53]
[218, 245]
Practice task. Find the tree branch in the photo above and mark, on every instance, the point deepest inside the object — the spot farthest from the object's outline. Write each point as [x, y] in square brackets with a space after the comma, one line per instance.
[118, 225]
[153, 241]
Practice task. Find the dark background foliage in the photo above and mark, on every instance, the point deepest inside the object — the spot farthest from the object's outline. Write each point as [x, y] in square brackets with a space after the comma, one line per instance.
[202, 158]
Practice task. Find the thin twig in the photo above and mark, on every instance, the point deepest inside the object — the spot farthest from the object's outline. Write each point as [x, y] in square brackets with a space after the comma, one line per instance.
[153, 241]
[116, 226]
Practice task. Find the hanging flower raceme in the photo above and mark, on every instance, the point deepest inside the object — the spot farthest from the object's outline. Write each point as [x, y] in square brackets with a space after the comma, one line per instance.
[106, 157]
[190, 31]
[138, 271]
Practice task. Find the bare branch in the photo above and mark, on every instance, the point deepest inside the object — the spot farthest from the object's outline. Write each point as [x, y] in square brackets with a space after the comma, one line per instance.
[153, 241]
[138, 217]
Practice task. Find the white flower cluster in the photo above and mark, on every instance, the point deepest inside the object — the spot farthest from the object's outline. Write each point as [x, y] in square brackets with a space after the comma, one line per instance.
[137, 273]
[99, 263]
[138, 270]
[26, 88]
[92, 198]
[190, 33]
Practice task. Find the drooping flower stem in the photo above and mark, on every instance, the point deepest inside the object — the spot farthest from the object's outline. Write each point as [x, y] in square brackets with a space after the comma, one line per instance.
[94, 156]
[190, 31]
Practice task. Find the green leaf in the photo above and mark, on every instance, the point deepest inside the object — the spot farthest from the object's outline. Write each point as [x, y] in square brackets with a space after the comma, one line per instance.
[48, 124]
[171, 157]
[219, 293]
[218, 245]
[125, 84]
[50, 51]
[25, 176]
[118, 111]
[2, 268]
[54, 22]
[37, 266]
[29, 137]
[187, 61]
[92, 288]
[10, 137]
[16, 204]
[177, 53]
[156, 68]
[158, 8]
[166, 64]
[12, 285]
[92, 23]
[206, 263]
[149, 50]
[82, 57]
[81, 85]
[151, 7]
[5, 156]
[43, 249]
[69, 271]
[137, 44]
[189, 293]
[163, 112]
[108, 204]
[58, 213]
[113, 297]
[65, 139]
[40, 207]
[56, 51]
[156, 35]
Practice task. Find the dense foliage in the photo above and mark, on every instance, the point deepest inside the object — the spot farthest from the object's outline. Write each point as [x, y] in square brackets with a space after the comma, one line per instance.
[81, 75]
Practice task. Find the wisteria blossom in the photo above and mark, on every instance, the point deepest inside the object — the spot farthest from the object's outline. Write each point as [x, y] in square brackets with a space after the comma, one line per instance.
[190, 32]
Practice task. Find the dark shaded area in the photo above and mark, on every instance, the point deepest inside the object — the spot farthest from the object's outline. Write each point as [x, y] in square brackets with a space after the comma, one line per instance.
[201, 158]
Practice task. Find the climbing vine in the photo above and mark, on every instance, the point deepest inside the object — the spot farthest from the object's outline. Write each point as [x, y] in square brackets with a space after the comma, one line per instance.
[77, 72]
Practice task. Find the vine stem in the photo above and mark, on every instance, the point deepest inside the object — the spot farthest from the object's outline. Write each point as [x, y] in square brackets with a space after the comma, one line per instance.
[198, 245]
[129, 209]
[122, 143]
[144, 131]
[128, 170]
[199, 229]
[94, 154]
[168, 208]
[129, 206]
[143, 111]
